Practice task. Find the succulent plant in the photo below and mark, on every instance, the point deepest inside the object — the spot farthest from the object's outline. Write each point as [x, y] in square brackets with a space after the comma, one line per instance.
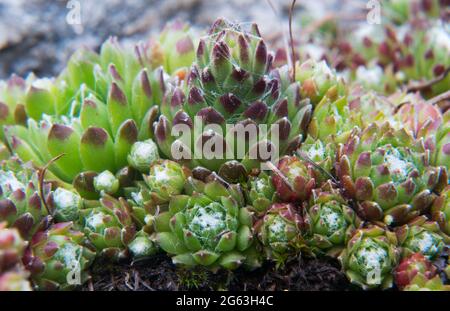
[260, 192]
[173, 49]
[64, 204]
[440, 211]
[400, 11]
[367, 107]
[388, 174]
[109, 227]
[318, 81]
[12, 102]
[404, 56]
[142, 154]
[370, 258]
[320, 157]
[421, 283]
[438, 142]
[20, 205]
[332, 121]
[411, 112]
[4, 152]
[106, 182]
[57, 258]
[166, 179]
[143, 245]
[230, 84]
[208, 227]
[415, 114]
[114, 106]
[280, 233]
[294, 179]
[14, 281]
[329, 221]
[331, 124]
[12, 247]
[421, 236]
[31, 97]
[12, 275]
[410, 267]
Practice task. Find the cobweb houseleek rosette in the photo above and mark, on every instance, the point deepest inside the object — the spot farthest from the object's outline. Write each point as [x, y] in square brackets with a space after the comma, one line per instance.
[370, 257]
[389, 175]
[109, 227]
[412, 112]
[421, 236]
[210, 228]
[329, 221]
[230, 84]
[280, 232]
[320, 157]
[57, 258]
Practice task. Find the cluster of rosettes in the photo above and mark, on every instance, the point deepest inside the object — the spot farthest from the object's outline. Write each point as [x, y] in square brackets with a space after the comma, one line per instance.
[358, 177]
[406, 48]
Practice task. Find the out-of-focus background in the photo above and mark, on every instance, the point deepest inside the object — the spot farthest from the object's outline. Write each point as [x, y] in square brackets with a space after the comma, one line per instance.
[39, 35]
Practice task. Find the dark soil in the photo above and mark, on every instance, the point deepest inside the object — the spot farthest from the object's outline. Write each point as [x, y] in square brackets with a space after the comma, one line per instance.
[158, 273]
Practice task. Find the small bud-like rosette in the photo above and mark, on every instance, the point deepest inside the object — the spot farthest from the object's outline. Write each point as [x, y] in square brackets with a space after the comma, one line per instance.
[65, 204]
[260, 192]
[142, 246]
[142, 155]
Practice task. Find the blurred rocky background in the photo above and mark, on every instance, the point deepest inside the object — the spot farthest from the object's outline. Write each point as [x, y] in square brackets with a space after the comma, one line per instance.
[40, 35]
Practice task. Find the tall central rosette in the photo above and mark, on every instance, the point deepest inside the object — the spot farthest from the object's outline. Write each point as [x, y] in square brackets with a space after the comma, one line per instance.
[232, 104]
